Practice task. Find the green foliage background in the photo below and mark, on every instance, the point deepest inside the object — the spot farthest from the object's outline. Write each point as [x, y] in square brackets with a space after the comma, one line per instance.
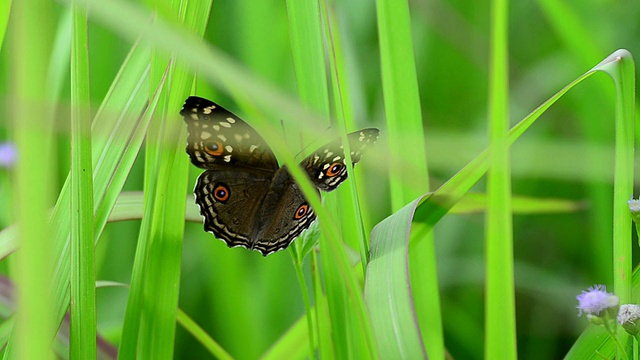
[246, 302]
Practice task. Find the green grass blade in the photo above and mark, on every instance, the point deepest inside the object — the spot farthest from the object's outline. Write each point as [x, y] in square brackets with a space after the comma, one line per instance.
[298, 258]
[576, 34]
[621, 68]
[293, 344]
[114, 147]
[305, 30]
[347, 309]
[124, 140]
[346, 204]
[131, 325]
[111, 136]
[326, 346]
[214, 348]
[477, 203]
[162, 231]
[5, 10]
[408, 178]
[167, 204]
[308, 61]
[402, 102]
[6, 327]
[500, 322]
[83, 278]
[34, 327]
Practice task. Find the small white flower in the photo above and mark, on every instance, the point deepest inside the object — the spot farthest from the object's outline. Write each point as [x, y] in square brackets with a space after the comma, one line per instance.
[628, 316]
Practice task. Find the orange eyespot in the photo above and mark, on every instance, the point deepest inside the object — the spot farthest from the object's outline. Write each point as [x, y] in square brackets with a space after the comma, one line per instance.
[213, 148]
[221, 193]
[302, 211]
[334, 169]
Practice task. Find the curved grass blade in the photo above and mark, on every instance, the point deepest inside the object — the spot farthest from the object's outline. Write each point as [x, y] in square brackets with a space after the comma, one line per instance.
[392, 311]
[428, 211]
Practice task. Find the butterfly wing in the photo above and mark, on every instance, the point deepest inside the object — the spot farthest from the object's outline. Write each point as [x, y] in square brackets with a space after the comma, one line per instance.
[218, 138]
[240, 166]
[283, 216]
[229, 200]
[327, 168]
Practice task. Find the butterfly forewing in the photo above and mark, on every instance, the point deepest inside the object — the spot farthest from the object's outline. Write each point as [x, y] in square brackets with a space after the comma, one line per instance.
[327, 166]
[217, 137]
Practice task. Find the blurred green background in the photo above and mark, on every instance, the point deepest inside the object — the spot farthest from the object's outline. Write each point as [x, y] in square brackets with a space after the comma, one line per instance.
[246, 302]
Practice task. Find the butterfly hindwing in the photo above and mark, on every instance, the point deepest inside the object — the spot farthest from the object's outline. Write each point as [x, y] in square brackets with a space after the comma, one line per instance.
[244, 208]
[217, 137]
[327, 166]
[228, 202]
[288, 214]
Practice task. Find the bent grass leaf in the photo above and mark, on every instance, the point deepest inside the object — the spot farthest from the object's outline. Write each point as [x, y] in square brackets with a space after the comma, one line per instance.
[386, 299]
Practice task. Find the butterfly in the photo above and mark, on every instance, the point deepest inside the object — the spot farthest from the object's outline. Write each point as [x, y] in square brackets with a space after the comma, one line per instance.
[245, 197]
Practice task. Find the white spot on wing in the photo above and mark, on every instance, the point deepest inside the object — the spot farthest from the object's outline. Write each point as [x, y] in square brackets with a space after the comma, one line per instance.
[222, 137]
[205, 135]
[227, 158]
[231, 120]
[252, 148]
[216, 127]
[229, 148]
[225, 124]
[336, 158]
[238, 137]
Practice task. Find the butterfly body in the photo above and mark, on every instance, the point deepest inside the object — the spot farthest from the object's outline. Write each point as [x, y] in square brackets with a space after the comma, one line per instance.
[245, 197]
